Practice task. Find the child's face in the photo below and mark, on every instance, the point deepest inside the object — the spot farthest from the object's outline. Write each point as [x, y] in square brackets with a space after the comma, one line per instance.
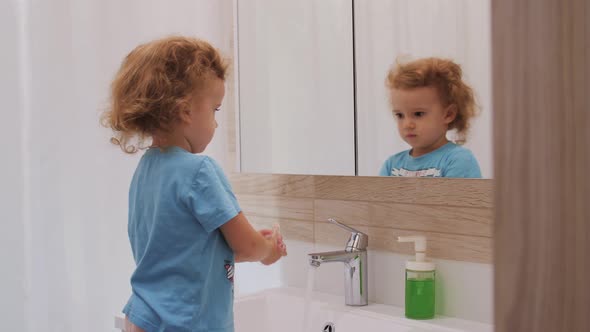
[422, 121]
[200, 121]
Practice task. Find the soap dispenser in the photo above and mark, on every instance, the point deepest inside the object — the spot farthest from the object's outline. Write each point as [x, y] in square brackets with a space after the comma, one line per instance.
[420, 276]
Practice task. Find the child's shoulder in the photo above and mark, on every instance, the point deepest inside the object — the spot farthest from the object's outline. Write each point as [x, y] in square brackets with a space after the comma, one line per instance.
[393, 161]
[398, 156]
[202, 163]
[456, 151]
[202, 170]
[198, 159]
[461, 163]
[183, 160]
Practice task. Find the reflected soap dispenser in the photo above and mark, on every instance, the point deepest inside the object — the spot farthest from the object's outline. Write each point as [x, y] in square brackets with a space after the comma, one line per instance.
[420, 277]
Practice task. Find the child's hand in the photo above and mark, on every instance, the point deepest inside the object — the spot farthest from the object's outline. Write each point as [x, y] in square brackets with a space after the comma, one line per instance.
[279, 249]
[268, 234]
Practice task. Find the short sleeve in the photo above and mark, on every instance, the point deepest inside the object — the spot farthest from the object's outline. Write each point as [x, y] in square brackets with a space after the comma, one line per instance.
[463, 165]
[385, 169]
[210, 197]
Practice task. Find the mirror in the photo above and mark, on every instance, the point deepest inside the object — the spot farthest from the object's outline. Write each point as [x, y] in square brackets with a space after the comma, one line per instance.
[312, 93]
[296, 92]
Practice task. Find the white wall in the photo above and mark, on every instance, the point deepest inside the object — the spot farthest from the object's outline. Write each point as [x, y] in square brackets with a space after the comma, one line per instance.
[78, 260]
[296, 86]
[12, 256]
[410, 29]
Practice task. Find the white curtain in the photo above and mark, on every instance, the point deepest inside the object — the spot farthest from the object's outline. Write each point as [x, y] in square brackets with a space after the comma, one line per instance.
[65, 255]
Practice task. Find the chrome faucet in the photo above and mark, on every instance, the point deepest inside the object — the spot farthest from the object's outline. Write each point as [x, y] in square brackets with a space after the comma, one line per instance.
[354, 257]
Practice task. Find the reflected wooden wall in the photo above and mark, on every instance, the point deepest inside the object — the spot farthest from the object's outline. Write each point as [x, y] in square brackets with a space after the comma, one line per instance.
[541, 61]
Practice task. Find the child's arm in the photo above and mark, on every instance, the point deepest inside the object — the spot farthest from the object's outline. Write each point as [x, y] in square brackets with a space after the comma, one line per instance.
[248, 244]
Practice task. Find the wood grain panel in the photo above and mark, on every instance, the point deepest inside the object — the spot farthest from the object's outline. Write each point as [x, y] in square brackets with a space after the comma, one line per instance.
[273, 184]
[432, 218]
[440, 245]
[277, 207]
[290, 228]
[411, 217]
[326, 233]
[451, 192]
[541, 62]
[347, 212]
[456, 229]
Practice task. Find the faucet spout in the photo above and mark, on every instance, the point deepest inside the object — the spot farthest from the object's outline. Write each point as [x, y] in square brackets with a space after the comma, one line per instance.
[355, 273]
[316, 259]
[354, 257]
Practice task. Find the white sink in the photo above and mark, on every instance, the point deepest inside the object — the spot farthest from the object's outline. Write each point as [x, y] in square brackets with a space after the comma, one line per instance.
[282, 309]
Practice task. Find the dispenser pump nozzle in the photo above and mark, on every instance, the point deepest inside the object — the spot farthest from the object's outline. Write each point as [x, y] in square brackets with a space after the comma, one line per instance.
[419, 246]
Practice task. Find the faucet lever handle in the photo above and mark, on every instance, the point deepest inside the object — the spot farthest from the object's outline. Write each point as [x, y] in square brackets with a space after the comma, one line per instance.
[357, 241]
[343, 226]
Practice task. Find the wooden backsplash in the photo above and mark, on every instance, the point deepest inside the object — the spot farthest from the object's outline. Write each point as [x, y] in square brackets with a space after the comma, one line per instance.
[454, 214]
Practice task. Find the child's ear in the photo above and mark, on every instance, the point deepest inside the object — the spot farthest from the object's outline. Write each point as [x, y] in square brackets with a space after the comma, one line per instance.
[185, 115]
[450, 113]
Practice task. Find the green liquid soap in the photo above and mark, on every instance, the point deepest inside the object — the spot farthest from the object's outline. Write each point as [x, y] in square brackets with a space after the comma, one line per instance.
[419, 298]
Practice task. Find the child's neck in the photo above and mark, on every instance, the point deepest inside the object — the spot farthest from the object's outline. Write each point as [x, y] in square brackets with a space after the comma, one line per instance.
[418, 152]
[165, 141]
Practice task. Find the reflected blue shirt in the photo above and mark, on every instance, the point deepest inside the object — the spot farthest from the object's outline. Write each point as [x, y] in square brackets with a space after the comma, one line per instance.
[450, 160]
[183, 279]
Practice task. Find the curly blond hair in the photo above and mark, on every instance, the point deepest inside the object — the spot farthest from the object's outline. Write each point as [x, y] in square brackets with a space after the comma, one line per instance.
[447, 77]
[154, 83]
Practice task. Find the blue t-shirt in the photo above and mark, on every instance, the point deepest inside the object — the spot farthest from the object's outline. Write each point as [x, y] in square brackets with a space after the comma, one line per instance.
[183, 279]
[450, 160]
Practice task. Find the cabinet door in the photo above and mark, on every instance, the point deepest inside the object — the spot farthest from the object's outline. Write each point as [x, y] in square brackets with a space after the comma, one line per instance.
[296, 102]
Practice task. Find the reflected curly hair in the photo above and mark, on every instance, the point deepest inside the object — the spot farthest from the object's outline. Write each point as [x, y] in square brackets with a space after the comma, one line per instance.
[154, 83]
[446, 76]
